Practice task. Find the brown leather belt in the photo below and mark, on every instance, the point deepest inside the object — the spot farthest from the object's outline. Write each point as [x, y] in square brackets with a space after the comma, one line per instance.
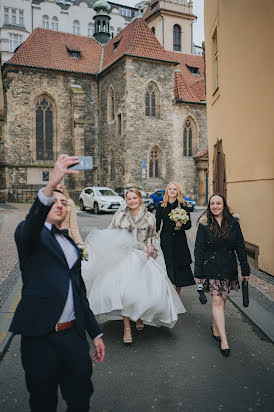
[64, 326]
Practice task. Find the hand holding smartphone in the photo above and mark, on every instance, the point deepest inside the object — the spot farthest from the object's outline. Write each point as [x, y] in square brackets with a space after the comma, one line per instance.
[85, 163]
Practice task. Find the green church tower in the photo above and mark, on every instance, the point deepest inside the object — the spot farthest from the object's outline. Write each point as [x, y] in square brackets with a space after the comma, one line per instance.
[101, 19]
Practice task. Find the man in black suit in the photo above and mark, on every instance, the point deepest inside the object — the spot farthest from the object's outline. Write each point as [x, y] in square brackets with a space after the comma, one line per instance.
[53, 314]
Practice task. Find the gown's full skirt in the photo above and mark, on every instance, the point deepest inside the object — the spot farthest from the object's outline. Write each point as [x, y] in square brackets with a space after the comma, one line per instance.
[121, 281]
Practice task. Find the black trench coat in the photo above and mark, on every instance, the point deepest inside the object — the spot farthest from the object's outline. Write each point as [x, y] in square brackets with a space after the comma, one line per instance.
[174, 246]
[215, 258]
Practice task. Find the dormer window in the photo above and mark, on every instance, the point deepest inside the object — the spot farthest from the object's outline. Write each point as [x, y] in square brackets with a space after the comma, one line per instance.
[74, 54]
[193, 70]
[116, 44]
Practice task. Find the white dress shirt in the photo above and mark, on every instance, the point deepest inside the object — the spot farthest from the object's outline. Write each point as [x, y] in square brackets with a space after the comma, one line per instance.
[71, 256]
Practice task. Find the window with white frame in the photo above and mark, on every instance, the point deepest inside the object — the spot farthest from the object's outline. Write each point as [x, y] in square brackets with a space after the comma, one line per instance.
[125, 12]
[21, 17]
[54, 23]
[45, 22]
[76, 27]
[15, 41]
[90, 29]
[13, 16]
[6, 15]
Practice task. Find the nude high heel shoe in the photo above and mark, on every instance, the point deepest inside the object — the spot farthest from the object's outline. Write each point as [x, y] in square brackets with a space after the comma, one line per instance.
[127, 340]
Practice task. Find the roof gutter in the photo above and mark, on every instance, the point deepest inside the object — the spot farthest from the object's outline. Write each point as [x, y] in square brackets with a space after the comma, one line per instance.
[138, 57]
[186, 101]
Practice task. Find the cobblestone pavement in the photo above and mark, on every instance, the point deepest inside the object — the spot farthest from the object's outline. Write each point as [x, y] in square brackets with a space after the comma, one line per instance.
[10, 216]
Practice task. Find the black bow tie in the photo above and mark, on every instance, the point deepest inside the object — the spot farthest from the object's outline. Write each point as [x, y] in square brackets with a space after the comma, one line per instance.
[57, 231]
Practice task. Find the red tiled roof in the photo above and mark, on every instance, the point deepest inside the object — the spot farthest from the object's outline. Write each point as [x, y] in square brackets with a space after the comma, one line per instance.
[135, 40]
[201, 154]
[48, 49]
[188, 86]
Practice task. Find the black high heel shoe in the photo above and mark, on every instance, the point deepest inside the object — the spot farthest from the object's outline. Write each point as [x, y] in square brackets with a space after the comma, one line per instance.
[214, 336]
[225, 352]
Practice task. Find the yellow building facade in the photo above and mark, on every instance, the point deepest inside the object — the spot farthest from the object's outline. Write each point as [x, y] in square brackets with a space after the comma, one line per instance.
[239, 61]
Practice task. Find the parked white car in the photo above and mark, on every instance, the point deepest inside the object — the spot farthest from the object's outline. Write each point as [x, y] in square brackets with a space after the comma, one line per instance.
[100, 199]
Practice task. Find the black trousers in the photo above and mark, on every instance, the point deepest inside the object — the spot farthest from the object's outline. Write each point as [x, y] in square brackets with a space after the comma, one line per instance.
[57, 359]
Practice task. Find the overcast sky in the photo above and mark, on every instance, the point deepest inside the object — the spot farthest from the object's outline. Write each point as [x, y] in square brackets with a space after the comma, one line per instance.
[198, 26]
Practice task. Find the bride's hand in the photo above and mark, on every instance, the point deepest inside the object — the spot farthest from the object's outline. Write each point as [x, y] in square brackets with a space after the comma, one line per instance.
[150, 251]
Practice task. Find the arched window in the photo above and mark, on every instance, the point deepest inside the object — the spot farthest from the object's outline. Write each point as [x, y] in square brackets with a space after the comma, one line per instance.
[76, 27]
[45, 22]
[177, 37]
[152, 106]
[187, 143]
[153, 30]
[154, 163]
[54, 23]
[111, 31]
[111, 104]
[90, 29]
[44, 129]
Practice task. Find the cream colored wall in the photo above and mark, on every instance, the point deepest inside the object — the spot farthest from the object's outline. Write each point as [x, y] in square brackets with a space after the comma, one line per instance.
[166, 25]
[241, 112]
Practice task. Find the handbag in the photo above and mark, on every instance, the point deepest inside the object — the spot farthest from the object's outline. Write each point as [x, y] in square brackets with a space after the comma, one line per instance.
[245, 293]
[202, 296]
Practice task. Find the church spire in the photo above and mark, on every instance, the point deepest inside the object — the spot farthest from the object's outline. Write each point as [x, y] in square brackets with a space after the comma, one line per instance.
[101, 19]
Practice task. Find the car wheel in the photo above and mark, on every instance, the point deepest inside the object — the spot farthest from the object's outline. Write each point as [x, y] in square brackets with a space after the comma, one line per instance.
[82, 206]
[96, 208]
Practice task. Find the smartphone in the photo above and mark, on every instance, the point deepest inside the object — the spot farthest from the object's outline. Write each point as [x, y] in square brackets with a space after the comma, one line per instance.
[85, 163]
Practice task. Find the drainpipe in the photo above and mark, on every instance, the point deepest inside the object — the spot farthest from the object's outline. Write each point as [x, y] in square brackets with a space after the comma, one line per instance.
[163, 33]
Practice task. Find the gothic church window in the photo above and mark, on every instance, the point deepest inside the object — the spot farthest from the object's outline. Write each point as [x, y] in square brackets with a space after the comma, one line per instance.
[111, 104]
[188, 138]
[152, 106]
[45, 22]
[154, 163]
[54, 23]
[176, 37]
[44, 129]
[76, 27]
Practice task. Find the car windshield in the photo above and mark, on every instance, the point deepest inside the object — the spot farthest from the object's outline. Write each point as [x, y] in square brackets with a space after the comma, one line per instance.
[105, 192]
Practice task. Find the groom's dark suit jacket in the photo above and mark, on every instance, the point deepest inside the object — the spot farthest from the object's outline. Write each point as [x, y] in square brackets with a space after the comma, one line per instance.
[46, 276]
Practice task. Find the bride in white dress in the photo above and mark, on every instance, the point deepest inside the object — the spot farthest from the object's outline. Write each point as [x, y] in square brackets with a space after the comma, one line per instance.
[123, 280]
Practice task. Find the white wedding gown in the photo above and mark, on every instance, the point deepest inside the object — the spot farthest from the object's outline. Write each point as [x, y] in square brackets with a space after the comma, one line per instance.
[121, 281]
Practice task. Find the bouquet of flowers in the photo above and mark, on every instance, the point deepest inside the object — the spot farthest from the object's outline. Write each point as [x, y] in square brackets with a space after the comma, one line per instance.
[178, 215]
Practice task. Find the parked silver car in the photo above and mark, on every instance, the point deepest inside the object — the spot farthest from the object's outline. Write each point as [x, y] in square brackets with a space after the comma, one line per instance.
[100, 199]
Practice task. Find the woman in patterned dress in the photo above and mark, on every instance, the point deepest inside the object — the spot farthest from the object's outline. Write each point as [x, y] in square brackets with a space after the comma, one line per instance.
[219, 242]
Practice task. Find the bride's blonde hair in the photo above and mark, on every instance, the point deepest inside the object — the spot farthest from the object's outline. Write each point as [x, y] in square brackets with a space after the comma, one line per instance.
[179, 195]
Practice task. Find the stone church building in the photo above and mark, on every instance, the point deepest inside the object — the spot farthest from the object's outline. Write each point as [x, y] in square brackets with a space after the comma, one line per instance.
[127, 101]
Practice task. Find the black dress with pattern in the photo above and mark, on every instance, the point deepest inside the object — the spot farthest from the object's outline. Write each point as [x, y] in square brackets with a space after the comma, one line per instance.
[174, 246]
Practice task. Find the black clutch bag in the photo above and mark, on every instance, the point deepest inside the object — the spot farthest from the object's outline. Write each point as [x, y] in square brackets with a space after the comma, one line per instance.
[245, 293]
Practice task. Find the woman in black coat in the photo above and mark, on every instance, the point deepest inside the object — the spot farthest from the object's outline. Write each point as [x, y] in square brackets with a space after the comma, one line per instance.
[219, 240]
[173, 242]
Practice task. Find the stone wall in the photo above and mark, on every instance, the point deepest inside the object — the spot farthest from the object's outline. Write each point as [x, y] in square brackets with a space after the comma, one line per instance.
[186, 169]
[112, 144]
[144, 132]
[75, 128]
